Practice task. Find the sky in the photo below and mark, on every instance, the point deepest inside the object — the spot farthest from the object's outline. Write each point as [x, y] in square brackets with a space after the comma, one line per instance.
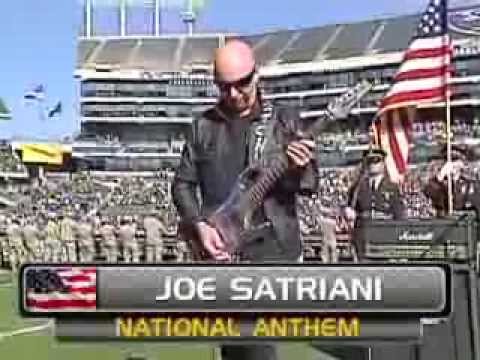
[39, 45]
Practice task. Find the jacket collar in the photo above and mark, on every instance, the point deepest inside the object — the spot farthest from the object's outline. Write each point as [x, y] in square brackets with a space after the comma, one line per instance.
[226, 115]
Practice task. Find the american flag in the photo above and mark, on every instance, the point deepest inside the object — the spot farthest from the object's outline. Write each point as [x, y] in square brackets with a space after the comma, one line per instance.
[421, 78]
[60, 289]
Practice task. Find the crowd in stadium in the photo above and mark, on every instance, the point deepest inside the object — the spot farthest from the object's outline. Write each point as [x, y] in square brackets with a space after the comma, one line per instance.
[58, 212]
[426, 130]
[83, 218]
[436, 129]
[10, 163]
[172, 143]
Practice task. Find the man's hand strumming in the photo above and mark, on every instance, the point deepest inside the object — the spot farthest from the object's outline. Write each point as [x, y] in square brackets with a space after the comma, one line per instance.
[212, 242]
[300, 153]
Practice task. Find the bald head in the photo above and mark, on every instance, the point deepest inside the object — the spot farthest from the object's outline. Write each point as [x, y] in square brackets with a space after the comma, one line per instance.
[234, 61]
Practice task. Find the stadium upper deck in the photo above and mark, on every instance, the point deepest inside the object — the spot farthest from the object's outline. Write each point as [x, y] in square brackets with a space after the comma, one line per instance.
[144, 89]
[331, 42]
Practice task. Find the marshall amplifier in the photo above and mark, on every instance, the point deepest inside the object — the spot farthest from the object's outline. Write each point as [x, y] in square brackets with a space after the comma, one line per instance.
[447, 239]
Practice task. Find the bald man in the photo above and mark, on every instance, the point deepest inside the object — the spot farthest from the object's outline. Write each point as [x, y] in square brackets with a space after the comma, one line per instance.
[242, 129]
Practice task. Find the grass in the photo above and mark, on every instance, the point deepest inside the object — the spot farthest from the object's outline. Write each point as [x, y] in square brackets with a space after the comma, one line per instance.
[41, 345]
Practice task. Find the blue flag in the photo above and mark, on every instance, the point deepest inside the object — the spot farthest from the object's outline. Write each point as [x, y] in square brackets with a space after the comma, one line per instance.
[56, 110]
[37, 93]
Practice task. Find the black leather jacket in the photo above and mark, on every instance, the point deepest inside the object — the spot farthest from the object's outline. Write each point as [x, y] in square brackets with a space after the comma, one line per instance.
[203, 167]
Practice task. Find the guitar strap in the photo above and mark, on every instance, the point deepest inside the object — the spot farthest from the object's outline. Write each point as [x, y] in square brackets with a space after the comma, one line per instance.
[259, 133]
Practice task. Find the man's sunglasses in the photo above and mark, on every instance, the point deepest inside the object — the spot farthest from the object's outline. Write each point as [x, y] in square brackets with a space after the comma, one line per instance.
[240, 84]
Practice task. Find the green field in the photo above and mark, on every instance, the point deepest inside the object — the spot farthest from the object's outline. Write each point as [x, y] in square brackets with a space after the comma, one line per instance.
[41, 345]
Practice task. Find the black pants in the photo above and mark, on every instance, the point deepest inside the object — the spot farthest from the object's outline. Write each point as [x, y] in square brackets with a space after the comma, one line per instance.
[344, 352]
[249, 352]
[261, 250]
[269, 352]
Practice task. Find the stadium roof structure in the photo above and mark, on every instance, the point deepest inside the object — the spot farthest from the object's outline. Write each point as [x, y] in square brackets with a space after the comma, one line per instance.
[177, 52]
[4, 111]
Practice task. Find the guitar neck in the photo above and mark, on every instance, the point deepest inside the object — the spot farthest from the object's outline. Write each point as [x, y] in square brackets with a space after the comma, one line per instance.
[279, 166]
[267, 180]
[340, 107]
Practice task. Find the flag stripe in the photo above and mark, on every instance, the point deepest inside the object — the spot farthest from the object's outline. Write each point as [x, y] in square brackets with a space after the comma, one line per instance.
[401, 138]
[62, 296]
[421, 78]
[406, 117]
[385, 143]
[71, 272]
[428, 43]
[53, 304]
[75, 285]
[393, 132]
[417, 64]
[418, 74]
[427, 53]
[414, 96]
[83, 289]
[416, 85]
[78, 278]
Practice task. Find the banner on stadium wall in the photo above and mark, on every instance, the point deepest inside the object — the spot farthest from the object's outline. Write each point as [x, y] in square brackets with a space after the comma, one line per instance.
[48, 154]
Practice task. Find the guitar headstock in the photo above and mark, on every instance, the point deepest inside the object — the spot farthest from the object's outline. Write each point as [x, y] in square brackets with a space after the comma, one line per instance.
[341, 106]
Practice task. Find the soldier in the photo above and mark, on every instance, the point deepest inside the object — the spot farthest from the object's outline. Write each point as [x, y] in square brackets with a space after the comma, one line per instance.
[328, 252]
[3, 240]
[183, 254]
[324, 222]
[126, 237]
[373, 196]
[85, 240]
[465, 189]
[31, 238]
[109, 240]
[41, 221]
[154, 229]
[67, 229]
[17, 249]
[52, 240]
[97, 236]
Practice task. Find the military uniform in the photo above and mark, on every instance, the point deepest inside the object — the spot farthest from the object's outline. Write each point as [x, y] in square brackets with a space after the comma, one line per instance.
[126, 238]
[465, 190]
[328, 252]
[53, 242]
[182, 251]
[109, 242]
[4, 251]
[154, 229]
[67, 236]
[85, 240]
[465, 193]
[373, 197]
[382, 201]
[31, 237]
[18, 253]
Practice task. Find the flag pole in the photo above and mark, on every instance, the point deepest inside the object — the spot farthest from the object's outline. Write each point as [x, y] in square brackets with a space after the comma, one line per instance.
[449, 151]
[449, 128]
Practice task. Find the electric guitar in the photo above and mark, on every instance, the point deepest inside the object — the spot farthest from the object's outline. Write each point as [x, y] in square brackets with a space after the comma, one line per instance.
[232, 219]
